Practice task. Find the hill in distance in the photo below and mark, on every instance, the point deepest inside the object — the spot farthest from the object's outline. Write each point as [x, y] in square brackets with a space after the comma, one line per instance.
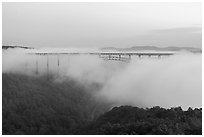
[4, 47]
[154, 48]
[135, 48]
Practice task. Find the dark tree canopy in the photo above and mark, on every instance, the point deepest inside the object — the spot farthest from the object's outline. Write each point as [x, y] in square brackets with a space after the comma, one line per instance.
[33, 105]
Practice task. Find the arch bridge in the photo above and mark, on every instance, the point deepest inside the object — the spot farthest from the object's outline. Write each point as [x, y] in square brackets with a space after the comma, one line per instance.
[118, 56]
[121, 56]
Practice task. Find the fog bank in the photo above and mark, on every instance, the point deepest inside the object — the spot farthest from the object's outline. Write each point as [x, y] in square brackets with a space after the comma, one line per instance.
[167, 82]
[174, 81]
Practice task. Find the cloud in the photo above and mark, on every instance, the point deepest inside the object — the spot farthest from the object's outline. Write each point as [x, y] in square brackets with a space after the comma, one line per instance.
[184, 30]
[167, 82]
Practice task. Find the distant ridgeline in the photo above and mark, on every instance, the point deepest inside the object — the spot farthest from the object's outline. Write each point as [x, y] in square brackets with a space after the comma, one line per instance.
[135, 48]
[139, 48]
[9, 46]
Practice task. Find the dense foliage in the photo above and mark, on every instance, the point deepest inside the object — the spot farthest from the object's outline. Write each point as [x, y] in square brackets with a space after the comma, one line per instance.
[35, 105]
[133, 120]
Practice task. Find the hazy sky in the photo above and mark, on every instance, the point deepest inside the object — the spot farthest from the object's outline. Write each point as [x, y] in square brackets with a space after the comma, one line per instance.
[102, 24]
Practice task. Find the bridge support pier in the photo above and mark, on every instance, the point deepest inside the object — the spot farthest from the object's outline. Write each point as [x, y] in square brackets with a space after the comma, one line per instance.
[109, 57]
[129, 56]
[36, 67]
[26, 67]
[47, 67]
[58, 63]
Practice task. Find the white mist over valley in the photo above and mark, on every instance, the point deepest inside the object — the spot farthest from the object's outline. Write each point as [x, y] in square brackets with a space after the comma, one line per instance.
[168, 81]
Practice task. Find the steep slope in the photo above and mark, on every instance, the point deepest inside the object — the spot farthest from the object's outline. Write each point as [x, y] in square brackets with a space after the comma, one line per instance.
[35, 105]
[32, 105]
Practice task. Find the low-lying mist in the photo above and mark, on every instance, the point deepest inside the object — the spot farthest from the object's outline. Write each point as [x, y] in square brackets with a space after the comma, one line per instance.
[168, 82]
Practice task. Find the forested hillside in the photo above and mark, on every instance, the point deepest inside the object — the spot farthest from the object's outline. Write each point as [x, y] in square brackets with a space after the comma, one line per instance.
[127, 120]
[35, 105]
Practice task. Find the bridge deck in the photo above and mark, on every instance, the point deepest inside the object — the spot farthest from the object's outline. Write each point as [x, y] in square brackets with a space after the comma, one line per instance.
[109, 53]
